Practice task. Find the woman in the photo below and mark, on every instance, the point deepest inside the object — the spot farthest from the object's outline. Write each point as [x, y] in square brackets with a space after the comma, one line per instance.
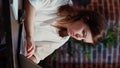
[50, 23]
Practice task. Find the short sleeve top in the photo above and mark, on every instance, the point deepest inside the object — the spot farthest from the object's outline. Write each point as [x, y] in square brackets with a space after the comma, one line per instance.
[43, 31]
[45, 16]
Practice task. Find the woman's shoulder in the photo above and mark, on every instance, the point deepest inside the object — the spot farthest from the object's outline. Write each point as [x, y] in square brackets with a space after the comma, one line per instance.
[43, 4]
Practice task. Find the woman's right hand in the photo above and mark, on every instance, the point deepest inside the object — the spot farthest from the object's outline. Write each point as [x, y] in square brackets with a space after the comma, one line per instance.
[30, 47]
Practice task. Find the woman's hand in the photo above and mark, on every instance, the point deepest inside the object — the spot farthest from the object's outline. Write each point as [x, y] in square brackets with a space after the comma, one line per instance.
[30, 47]
[29, 28]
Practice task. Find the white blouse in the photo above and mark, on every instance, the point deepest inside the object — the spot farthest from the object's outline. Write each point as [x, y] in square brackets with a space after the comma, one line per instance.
[46, 37]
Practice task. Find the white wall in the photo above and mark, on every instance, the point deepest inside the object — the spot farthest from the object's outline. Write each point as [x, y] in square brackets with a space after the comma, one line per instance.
[14, 28]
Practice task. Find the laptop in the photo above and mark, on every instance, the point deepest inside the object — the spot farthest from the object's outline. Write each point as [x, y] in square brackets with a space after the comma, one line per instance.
[26, 63]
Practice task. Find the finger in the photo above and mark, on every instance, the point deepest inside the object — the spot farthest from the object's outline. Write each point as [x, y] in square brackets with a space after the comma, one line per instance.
[29, 47]
[30, 53]
[28, 56]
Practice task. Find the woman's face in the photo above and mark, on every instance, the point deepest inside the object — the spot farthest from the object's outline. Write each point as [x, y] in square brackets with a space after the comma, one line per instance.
[80, 31]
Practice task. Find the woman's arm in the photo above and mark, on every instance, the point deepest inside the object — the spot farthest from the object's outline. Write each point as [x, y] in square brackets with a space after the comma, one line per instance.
[30, 14]
[29, 28]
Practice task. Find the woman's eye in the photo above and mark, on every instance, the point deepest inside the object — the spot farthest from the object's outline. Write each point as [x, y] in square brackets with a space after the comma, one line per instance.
[84, 33]
[77, 35]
